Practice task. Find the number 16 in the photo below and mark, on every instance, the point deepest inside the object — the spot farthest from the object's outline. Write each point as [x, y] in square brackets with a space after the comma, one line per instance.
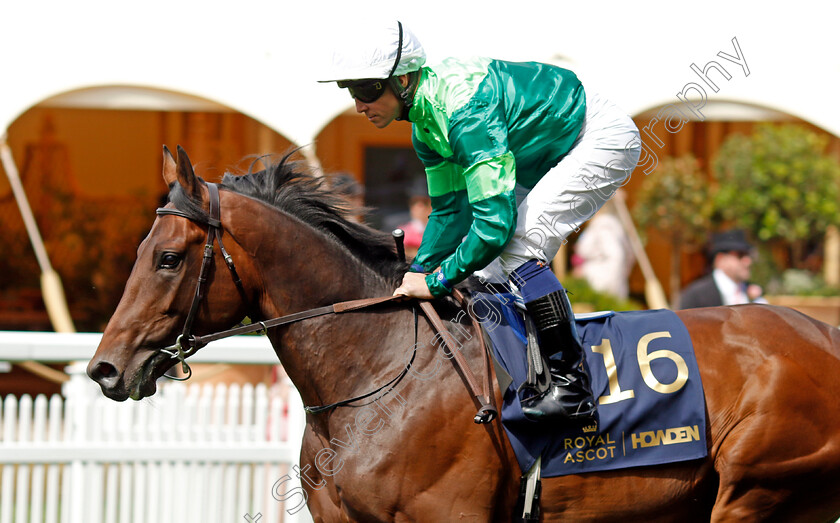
[616, 394]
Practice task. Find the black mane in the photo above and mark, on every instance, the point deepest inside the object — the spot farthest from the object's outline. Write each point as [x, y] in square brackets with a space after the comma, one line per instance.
[290, 187]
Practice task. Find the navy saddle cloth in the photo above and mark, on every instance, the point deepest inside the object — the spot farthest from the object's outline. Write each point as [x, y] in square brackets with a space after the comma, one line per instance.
[645, 382]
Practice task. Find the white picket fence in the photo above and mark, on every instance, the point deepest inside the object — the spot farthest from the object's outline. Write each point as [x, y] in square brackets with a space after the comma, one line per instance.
[191, 453]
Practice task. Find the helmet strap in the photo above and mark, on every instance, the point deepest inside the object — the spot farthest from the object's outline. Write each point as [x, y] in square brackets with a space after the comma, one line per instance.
[406, 94]
[399, 90]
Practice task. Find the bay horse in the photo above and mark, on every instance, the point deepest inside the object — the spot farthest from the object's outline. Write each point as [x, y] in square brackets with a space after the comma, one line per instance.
[771, 375]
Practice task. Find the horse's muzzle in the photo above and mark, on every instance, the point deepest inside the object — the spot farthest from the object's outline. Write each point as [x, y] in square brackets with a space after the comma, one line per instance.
[109, 379]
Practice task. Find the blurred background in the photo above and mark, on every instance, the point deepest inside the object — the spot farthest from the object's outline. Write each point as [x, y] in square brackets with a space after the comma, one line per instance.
[92, 91]
[735, 102]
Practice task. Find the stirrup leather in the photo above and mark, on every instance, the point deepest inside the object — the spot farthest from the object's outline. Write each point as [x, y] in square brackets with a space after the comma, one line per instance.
[569, 394]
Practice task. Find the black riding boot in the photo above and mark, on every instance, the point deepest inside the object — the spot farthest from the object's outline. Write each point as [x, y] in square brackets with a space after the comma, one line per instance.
[569, 396]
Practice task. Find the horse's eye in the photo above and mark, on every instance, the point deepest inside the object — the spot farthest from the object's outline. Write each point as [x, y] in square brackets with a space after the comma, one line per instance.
[169, 260]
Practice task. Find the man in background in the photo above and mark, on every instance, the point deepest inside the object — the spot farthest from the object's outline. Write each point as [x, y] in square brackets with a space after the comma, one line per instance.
[728, 284]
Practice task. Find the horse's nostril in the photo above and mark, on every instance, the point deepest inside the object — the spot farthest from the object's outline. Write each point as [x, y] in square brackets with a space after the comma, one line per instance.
[104, 371]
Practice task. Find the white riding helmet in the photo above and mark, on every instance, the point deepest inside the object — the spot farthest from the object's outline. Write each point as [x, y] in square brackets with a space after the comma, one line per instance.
[376, 53]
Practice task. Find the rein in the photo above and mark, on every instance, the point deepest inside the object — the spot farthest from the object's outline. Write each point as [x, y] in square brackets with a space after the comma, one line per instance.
[486, 413]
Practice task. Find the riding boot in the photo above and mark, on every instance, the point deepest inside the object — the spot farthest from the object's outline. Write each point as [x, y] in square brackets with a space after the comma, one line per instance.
[569, 396]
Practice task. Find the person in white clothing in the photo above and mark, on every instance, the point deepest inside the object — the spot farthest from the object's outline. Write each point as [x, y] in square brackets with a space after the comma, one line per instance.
[605, 254]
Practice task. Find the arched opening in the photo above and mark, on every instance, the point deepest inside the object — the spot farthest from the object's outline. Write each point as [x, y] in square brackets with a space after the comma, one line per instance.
[90, 163]
[351, 144]
[703, 140]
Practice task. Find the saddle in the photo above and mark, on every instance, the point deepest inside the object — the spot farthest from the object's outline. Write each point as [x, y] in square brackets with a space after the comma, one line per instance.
[645, 378]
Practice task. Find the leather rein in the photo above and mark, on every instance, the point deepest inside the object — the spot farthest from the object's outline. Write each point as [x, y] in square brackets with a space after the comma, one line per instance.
[187, 343]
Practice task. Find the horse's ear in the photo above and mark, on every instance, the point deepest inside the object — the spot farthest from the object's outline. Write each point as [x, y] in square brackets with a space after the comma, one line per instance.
[180, 171]
[170, 170]
[186, 175]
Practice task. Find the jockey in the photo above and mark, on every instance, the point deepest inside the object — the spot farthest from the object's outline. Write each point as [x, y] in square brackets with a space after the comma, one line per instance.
[517, 157]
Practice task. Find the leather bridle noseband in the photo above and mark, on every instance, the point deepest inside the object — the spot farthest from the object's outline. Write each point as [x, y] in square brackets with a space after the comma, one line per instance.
[187, 343]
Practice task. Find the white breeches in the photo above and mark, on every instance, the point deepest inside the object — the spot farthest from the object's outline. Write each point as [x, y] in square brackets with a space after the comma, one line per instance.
[601, 160]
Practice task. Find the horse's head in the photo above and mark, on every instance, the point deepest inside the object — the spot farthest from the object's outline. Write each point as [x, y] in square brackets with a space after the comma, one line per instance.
[293, 249]
[160, 290]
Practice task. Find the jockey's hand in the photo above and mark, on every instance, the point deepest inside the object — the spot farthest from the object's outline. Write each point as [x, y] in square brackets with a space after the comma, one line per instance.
[414, 286]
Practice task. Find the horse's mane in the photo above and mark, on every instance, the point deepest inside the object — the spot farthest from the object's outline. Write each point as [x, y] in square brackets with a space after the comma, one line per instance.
[289, 186]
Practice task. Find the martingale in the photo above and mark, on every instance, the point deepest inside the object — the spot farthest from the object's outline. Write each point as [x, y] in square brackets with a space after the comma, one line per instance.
[644, 375]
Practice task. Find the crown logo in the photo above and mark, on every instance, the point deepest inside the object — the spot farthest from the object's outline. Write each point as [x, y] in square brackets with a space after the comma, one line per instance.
[590, 428]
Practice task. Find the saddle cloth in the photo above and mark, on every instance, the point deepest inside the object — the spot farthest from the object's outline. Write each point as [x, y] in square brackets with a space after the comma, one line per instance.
[645, 380]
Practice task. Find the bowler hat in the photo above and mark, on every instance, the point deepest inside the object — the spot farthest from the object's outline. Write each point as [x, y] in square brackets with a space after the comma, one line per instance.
[733, 240]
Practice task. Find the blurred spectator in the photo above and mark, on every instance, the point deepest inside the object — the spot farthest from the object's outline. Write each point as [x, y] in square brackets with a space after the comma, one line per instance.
[728, 284]
[347, 187]
[603, 255]
[419, 208]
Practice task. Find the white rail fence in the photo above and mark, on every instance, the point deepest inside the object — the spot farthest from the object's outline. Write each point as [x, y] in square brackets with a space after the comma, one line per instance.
[191, 453]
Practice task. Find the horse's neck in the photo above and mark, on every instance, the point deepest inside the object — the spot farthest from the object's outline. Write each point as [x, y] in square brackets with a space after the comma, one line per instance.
[337, 356]
[315, 273]
[299, 267]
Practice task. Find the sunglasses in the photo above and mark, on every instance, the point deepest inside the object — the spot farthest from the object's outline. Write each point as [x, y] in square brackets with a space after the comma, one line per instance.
[740, 254]
[365, 91]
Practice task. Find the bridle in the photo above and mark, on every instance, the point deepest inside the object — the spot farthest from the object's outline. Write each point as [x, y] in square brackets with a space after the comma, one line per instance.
[188, 343]
[214, 233]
